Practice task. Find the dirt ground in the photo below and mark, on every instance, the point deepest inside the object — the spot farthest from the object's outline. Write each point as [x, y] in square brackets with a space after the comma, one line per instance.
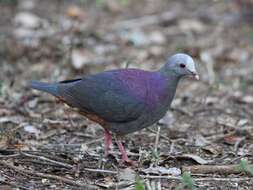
[208, 132]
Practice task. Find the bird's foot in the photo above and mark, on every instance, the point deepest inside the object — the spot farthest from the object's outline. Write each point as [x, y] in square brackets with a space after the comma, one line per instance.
[108, 142]
[129, 162]
[124, 157]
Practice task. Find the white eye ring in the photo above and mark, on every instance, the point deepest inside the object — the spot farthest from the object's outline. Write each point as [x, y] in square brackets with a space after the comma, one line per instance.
[182, 65]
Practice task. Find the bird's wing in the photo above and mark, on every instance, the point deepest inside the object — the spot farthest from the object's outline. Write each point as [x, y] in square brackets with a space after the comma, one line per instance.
[104, 95]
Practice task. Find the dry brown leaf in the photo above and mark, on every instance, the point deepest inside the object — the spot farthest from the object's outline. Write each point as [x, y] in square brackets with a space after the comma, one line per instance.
[232, 139]
[213, 148]
[74, 11]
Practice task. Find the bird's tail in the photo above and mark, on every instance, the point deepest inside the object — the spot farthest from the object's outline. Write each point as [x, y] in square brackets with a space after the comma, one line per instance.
[50, 88]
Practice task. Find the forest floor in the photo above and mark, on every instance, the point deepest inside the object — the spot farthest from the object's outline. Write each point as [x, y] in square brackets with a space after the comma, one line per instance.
[208, 132]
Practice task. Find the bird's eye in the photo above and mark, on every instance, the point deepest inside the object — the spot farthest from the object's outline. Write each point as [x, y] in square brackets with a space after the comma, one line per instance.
[182, 65]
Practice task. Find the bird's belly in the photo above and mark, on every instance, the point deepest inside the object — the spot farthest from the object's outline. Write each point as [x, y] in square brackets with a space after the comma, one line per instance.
[155, 117]
[94, 118]
[145, 120]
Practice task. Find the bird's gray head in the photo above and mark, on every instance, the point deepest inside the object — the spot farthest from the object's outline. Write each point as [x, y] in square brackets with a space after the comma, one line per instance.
[182, 65]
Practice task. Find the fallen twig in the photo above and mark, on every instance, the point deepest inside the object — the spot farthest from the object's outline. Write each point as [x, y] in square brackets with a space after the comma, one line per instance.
[93, 141]
[100, 171]
[161, 135]
[160, 177]
[67, 165]
[48, 160]
[218, 137]
[232, 179]
[9, 156]
[157, 138]
[49, 176]
[168, 16]
[208, 169]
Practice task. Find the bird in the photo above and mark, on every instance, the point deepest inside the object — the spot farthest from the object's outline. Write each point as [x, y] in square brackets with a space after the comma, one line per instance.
[123, 100]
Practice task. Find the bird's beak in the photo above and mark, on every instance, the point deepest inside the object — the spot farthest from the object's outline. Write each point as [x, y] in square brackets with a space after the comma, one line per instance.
[194, 75]
[192, 72]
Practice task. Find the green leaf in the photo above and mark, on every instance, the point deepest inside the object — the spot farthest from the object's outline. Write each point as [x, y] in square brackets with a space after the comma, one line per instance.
[10, 2]
[124, 2]
[244, 166]
[178, 188]
[188, 181]
[100, 3]
[155, 153]
[139, 184]
[1, 87]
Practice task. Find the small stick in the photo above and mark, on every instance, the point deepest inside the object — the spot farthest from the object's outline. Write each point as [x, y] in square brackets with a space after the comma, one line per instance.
[160, 177]
[146, 20]
[93, 141]
[159, 186]
[157, 138]
[232, 179]
[48, 160]
[217, 137]
[210, 169]
[236, 146]
[49, 176]
[161, 135]
[148, 185]
[67, 165]
[100, 171]
[10, 156]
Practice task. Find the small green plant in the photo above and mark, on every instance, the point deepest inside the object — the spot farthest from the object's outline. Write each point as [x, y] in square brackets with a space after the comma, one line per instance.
[155, 154]
[10, 2]
[1, 88]
[139, 185]
[124, 2]
[187, 181]
[244, 166]
[102, 3]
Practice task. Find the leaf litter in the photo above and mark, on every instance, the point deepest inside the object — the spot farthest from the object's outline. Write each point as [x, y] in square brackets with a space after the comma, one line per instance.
[210, 125]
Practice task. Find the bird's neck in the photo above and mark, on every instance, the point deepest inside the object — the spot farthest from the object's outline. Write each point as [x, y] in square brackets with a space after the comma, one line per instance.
[171, 77]
[172, 80]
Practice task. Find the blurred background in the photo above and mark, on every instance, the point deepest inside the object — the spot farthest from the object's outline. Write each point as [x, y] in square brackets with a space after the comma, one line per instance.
[54, 40]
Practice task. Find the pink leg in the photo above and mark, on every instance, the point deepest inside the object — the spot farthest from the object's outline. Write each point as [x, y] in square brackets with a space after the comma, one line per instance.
[124, 156]
[108, 141]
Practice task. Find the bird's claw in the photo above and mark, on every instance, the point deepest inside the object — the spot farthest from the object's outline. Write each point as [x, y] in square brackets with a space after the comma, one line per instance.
[128, 162]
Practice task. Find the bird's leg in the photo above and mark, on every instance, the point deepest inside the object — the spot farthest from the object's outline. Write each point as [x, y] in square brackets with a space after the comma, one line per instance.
[124, 156]
[108, 141]
[156, 143]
